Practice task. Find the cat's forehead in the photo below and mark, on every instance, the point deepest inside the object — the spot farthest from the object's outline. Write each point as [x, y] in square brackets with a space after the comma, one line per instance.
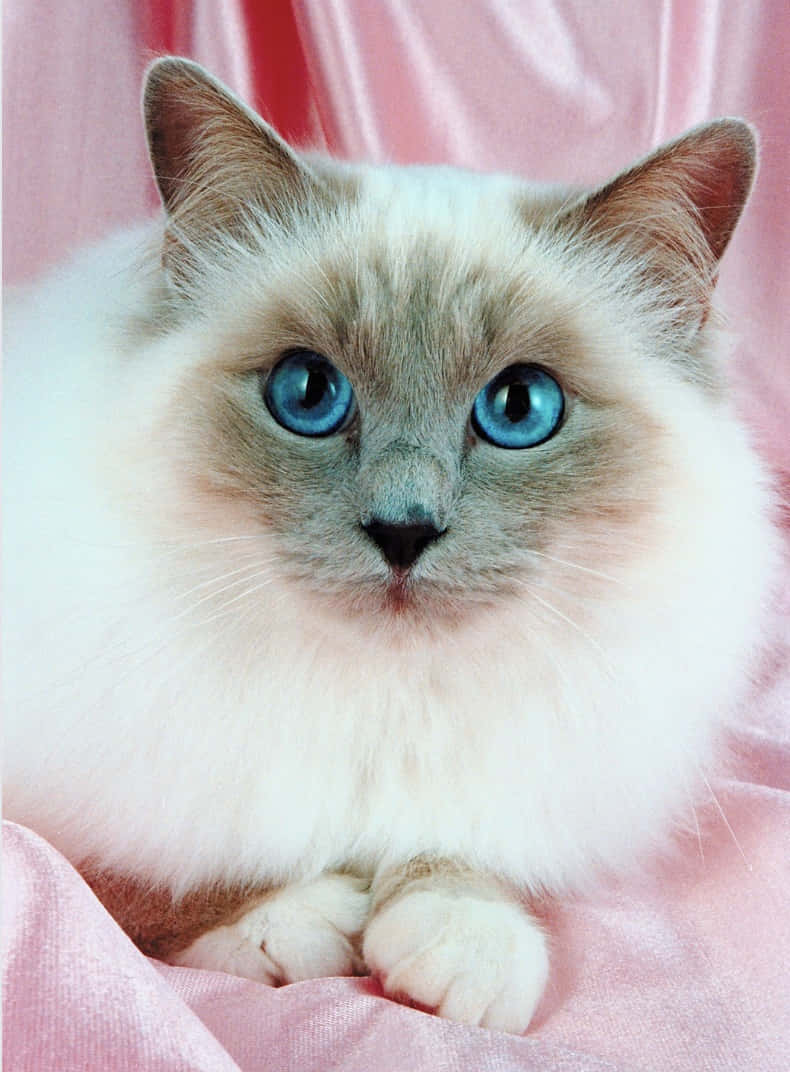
[424, 274]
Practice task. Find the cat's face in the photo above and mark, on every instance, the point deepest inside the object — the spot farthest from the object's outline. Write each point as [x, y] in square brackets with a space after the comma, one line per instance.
[412, 328]
[431, 390]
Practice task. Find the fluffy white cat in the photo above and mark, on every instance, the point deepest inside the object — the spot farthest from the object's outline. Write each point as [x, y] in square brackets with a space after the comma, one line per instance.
[380, 546]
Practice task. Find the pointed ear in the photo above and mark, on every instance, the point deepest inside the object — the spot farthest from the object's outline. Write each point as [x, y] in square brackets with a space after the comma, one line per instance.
[676, 210]
[212, 155]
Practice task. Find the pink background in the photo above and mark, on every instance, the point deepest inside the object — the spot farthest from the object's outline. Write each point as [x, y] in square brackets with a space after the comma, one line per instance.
[682, 968]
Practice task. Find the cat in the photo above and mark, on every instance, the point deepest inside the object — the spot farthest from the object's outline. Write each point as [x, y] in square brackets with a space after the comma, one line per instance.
[381, 549]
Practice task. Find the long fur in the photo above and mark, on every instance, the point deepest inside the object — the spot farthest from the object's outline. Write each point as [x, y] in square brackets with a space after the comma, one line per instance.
[204, 680]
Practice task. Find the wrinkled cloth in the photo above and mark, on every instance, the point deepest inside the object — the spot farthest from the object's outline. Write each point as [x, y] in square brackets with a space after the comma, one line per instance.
[681, 967]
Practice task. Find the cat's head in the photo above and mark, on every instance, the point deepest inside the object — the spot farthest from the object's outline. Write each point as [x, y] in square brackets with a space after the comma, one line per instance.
[432, 389]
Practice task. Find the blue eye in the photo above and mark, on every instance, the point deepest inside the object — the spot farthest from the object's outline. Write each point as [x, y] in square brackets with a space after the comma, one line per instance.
[306, 394]
[521, 407]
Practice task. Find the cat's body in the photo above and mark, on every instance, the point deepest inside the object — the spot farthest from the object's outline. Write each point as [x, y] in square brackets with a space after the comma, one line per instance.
[216, 676]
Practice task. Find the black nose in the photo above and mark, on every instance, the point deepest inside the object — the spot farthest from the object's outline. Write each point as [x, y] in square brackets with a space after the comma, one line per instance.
[401, 545]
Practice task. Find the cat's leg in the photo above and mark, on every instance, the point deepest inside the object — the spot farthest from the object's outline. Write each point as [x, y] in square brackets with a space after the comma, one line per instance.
[458, 942]
[305, 930]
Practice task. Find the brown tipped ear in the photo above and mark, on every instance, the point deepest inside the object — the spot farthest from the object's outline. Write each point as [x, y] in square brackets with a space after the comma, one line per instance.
[212, 155]
[678, 208]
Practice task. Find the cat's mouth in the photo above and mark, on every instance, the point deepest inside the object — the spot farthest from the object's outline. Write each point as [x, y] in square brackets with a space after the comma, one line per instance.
[413, 599]
[399, 591]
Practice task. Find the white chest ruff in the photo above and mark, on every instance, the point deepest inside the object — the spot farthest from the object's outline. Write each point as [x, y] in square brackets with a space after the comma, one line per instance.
[304, 756]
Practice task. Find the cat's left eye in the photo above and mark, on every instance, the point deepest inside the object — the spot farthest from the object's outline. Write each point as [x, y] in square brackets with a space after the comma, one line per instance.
[521, 407]
[306, 394]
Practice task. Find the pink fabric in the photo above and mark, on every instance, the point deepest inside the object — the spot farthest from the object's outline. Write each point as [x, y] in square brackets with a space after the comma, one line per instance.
[684, 967]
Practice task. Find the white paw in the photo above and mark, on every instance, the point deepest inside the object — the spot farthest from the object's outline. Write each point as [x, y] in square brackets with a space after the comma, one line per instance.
[474, 960]
[302, 931]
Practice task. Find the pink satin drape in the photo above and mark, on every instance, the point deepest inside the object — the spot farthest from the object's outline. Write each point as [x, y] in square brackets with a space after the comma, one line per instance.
[683, 968]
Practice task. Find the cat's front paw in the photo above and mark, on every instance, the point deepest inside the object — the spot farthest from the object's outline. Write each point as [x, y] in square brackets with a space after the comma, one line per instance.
[302, 931]
[475, 960]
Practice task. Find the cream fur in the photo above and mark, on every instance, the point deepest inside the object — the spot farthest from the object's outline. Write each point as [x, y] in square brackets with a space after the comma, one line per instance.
[521, 742]
[166, 724]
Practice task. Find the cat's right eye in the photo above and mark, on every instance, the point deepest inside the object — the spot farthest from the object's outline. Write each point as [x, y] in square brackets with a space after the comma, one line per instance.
[306, 394]
[521, 407]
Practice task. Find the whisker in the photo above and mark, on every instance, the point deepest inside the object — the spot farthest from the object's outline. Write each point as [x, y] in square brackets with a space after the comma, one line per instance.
[726, 822]
[569, 621]
[699, 833]
[136, 659]
[242, 595]
[171, 546]
[575, 625]
[222, 577]
[232, 584]
[575, 565]
[157, 641]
